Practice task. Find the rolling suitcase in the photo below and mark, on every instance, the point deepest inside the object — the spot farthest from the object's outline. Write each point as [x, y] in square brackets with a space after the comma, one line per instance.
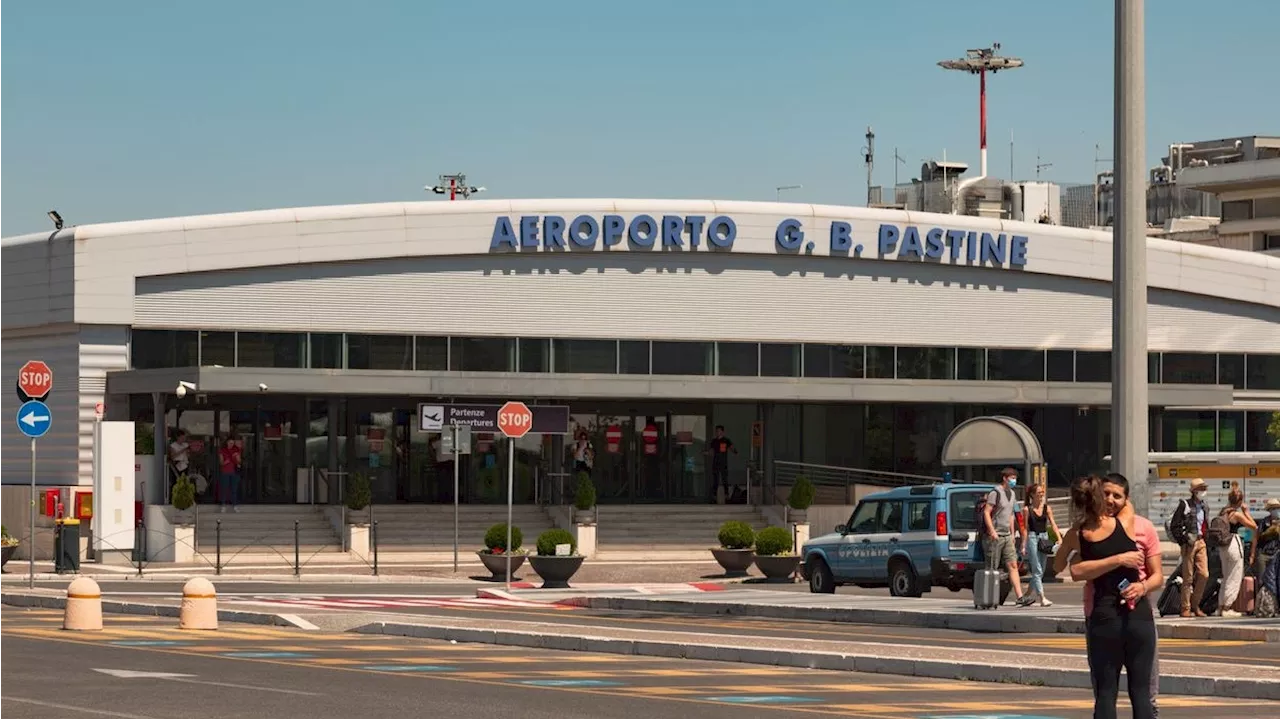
[1244, 600]
[986, 589]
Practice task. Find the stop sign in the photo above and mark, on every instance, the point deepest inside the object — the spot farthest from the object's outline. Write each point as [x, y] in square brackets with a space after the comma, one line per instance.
[35, 379]
[515, 419]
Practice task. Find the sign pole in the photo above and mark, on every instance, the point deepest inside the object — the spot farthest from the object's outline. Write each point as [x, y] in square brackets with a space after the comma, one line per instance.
[455, 498]
[31, 541]
[511, 483]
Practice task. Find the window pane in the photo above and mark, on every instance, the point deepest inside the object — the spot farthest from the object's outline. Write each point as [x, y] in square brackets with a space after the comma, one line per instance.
[394, 352]
[1189, 368]
[432, 354]
[738, 359]
[926, 363]
[586, 356]
[270, 349]
[1060, 366]
[1093, 366]
[218, 348]
[880, 362]
[693, 358]
[779, 360]
[1264, 371]
[1189, 431]
[919, 516]
[833, 360]
[153, 349]
[326, 350]
[1015, 365]
[535, 354]
[1153, 367]
[633, 357]
[971, 363]
[1231, 431]
[1258, 438]
[865, 518]
[1231, 370]
[483, 354]
[1237, 210]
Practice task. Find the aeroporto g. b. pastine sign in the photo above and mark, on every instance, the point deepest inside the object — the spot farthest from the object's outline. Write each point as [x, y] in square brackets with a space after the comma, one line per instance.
[937, 243]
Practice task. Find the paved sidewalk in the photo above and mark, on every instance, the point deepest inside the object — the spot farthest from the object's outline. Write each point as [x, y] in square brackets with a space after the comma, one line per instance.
[1177, 677]
[925, 612]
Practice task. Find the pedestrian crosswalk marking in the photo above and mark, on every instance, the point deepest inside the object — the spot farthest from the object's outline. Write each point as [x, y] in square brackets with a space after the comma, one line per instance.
[397, 602]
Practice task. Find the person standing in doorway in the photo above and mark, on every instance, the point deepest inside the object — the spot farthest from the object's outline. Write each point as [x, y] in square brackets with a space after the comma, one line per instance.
[584, 456]
[719, 448]
[229, 459]
[179, 457]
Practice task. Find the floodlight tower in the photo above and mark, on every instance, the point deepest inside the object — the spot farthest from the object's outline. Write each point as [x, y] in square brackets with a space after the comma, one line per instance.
[980, 62]
[454, 185]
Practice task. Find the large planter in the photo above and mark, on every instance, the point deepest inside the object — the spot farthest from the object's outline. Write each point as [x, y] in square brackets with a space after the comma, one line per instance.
[7, 554]
[555, 571]
[497, 564]
[798, 516]
[358, 516]
[584, 516]
[779, 568]
[735, 562]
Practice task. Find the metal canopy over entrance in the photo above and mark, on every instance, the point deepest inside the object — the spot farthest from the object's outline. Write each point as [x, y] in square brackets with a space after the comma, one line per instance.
[993, 440]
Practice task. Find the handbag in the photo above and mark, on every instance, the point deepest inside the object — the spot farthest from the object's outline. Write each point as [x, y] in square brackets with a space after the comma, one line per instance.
[1045, 546]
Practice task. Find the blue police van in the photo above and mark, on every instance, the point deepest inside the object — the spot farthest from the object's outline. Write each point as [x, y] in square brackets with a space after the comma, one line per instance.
[909, 539]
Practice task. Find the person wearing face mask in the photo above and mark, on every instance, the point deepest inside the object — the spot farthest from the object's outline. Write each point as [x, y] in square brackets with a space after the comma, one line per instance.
[1187, 527]
[1266, 542]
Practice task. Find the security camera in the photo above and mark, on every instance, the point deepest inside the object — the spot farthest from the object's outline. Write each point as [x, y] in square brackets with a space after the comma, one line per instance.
[183, 388]
[262, 387]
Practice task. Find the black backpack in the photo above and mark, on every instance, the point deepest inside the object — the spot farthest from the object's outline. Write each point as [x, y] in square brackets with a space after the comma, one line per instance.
[1178, 527]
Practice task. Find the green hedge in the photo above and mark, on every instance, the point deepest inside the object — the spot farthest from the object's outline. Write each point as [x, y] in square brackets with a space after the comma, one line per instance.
[548, 540]
[495, 540]
[736, 535]
[773, 542]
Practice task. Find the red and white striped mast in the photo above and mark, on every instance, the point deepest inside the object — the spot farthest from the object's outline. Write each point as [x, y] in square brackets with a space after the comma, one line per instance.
[980, 62]
[454, 185]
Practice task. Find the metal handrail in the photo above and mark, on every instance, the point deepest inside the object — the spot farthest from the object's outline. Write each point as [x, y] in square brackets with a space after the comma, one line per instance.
[786, 473]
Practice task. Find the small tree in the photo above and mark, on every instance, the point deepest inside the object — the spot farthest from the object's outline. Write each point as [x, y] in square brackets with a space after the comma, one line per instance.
[183, 495]
[802, 493]
[736, 535]
[548, 540]
[584, 494]
[773, 542]
[495, 540]
[359, 494]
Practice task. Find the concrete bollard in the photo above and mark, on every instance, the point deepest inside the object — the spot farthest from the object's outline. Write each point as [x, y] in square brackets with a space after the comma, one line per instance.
[84, 606]
[199, 605]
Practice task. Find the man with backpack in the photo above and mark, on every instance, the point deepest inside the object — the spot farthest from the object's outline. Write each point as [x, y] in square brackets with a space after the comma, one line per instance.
[1000, 530]
[1188, 527]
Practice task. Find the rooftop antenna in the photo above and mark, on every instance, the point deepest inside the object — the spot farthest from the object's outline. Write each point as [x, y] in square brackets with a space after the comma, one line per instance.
[454, 185]
[980, 62]
[1041, 165]
[869, 156]
[898, 160]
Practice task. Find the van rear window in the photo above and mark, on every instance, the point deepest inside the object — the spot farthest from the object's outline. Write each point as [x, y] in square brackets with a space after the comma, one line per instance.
[963, 516]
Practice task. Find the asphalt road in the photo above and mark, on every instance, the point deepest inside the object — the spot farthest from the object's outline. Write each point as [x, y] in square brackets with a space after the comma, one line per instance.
[253, 671]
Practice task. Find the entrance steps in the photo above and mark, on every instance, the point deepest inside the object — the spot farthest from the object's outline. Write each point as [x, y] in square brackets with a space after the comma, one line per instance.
[429, 527]
[668, 527]
[265, 529]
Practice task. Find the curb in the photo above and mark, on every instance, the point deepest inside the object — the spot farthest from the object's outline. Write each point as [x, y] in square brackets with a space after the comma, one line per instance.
[853, 662]
[112, 606]
[179, 577]
[1007, 623]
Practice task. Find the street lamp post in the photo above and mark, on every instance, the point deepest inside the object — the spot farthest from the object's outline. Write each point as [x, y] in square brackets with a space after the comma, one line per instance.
[778, 190]
[454, 185]
[1129, 406]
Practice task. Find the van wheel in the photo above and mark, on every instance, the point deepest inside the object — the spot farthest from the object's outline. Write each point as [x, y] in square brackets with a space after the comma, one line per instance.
[902, 579]
[821, 581]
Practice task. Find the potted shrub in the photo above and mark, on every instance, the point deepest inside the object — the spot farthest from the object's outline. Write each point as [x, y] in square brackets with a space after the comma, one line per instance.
[183, 498]
[556, 570]
[800, 499]
[359, 496]
[10, 544]
[584, 500]
[773, 555]
[494, 554]
[734, 553]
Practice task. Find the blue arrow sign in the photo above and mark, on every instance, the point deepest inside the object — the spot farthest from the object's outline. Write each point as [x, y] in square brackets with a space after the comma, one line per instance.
[34, 419]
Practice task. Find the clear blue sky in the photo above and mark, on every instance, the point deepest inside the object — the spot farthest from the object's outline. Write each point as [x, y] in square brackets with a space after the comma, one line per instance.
[115, 111]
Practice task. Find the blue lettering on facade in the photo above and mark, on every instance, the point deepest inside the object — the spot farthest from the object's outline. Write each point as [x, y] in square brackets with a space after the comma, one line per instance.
[788, 235]
[643, 232]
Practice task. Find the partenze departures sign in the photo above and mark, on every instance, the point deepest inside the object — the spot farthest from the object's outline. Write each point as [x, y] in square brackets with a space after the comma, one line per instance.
[717, 234]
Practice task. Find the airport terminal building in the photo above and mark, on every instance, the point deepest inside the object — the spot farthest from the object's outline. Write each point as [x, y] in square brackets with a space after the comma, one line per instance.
[832, 336]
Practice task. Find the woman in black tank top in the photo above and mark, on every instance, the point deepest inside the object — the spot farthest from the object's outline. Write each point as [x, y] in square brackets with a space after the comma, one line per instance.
[1120, 632]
